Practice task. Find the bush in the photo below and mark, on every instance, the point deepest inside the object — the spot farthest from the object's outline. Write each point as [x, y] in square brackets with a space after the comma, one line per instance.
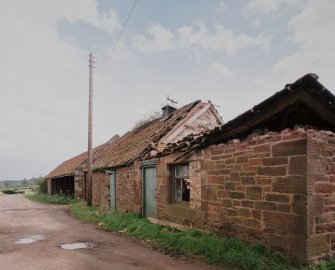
[41, 182]
[9, 191]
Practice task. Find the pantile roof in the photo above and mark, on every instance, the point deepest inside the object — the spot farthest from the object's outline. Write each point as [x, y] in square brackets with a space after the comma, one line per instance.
[137, 143]
[69, 166]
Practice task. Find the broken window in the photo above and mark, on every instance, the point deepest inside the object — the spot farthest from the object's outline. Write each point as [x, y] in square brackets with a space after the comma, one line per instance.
[181, 183]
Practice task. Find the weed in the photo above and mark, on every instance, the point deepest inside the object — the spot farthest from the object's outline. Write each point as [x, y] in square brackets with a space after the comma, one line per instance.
[56, 199]
[230, 252]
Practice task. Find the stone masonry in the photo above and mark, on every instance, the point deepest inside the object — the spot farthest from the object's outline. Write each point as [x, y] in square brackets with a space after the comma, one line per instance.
[276, 189]
[321, 195]
[100, 188]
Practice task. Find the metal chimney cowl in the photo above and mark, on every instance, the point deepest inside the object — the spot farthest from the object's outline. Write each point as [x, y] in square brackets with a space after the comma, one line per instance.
[167, 110]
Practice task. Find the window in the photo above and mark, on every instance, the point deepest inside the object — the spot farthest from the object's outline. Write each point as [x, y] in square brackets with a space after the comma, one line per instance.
[181, 183]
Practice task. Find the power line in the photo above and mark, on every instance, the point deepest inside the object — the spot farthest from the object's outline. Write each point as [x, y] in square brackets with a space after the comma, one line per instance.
[120, 34]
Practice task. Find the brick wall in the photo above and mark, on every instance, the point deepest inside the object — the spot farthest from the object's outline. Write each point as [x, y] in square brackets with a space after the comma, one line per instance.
[100, 189]
[321, 195]
[255, 189]
[128, 189]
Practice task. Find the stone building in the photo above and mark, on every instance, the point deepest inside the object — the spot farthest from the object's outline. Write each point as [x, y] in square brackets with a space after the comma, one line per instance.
[267, 176]
[120, 180]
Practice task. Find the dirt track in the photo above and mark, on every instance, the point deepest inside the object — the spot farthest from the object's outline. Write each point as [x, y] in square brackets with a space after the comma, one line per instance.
[20, 217]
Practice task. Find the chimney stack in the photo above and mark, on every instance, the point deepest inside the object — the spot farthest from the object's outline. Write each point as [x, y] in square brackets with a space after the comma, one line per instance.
[167, 110]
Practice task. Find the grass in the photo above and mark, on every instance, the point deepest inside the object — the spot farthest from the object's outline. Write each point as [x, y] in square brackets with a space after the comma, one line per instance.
[232, 253]
[56, 199]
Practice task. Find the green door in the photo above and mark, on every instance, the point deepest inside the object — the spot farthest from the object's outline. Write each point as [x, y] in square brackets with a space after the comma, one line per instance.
[112, 185]
[149, 191]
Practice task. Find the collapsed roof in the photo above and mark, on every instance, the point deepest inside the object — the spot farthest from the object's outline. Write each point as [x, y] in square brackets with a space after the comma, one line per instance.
[305, 102]
[139, 142]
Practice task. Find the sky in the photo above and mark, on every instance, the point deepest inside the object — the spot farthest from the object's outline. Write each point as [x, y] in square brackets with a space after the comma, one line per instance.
[234, 53]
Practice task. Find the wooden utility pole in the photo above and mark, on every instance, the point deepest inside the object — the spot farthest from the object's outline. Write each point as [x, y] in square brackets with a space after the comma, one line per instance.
[89, 151]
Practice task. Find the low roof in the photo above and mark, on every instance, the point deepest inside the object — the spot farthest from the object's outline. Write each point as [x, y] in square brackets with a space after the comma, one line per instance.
[68, 167]
[136, 143]
[304, 102]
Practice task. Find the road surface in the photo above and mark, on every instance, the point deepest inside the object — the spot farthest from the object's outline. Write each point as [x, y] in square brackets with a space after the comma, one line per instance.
[20, 217]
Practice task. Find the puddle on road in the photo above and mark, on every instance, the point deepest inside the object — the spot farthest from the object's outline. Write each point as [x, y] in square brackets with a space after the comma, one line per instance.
[30, 239]
[79, 245]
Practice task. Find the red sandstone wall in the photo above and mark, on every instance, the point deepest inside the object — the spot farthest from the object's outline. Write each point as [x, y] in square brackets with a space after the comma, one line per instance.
[321, 195]
[128, 189]
[194, 217]
[100, 189]
[255, 189]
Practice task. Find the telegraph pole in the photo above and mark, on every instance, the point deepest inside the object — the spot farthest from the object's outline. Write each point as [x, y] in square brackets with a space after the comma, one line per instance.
[89, 151]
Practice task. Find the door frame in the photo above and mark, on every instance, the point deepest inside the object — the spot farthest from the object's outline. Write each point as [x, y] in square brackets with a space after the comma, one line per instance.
[110, 172]
[145, 165]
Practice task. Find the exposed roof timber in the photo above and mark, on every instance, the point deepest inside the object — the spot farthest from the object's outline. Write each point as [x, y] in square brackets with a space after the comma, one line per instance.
[306, 90]
[305, 102]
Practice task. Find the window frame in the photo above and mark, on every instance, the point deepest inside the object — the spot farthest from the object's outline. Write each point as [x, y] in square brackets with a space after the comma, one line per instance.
[173, 177]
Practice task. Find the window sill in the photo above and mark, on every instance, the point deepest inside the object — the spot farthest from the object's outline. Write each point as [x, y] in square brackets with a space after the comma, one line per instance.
[182, 210]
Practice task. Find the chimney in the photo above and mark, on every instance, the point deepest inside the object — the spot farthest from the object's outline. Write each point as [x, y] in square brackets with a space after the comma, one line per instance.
[167, 110]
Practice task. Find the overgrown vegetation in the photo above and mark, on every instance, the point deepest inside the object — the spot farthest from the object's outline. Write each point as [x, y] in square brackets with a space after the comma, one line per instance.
[9, 191]
[328, 265]
[42, 184]
[232, 253]
[56, 199]
[146, 119]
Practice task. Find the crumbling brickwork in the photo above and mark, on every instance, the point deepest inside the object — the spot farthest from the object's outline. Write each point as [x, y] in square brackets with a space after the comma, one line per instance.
[192, 216]
[265, 189]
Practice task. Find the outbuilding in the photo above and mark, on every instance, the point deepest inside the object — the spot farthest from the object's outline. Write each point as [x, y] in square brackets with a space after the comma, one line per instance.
[267, 176]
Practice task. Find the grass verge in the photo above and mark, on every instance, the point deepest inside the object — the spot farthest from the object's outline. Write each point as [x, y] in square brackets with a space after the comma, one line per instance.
[56, 199]
[230, 252]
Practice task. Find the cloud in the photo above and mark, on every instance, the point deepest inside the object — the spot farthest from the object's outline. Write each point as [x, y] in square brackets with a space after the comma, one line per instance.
[218, 68]
[222, 7]
[43, 84]
[268, 7]
[199, 38]
[313, 33]
[160, 40]
[88, 12]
